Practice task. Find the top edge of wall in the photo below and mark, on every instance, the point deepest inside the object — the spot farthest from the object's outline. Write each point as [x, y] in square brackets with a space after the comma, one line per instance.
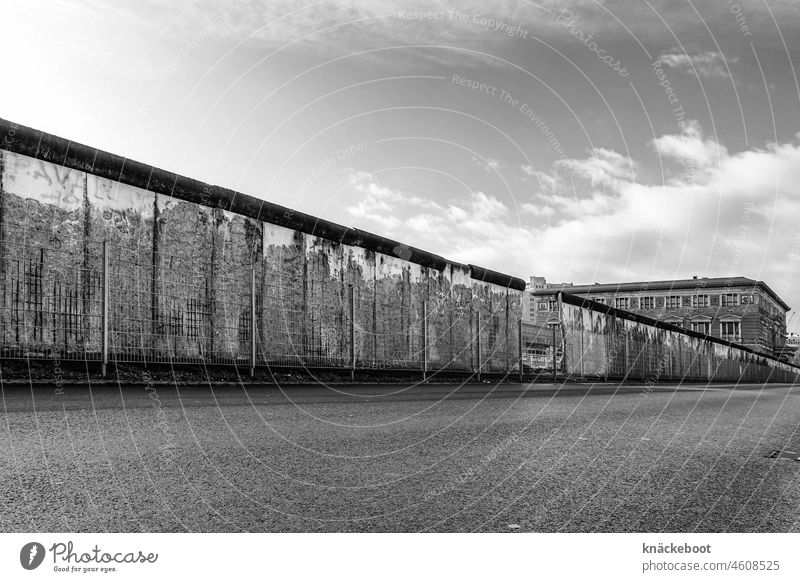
[40, 145]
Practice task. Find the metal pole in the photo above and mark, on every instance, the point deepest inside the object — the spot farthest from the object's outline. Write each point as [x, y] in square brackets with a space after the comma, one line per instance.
[560, 306]
[508, 336]
[583, 377]
[104, 332]
[253, 323]
[627, 363]
[352, 333]
[606, 343]
[424, 341]
[480, 356]
[519, 334]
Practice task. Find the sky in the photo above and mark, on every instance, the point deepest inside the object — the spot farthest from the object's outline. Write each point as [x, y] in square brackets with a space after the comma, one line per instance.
[584, 141]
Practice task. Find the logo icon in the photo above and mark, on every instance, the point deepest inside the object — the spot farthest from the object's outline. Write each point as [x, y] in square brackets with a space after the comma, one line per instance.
[31, 555]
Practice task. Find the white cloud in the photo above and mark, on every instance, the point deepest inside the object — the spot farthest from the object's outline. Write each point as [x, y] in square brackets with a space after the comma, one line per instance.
[489, 164]
[739, 216]
[689, 147]
[476, 228]
[603, 167]
[709, 64]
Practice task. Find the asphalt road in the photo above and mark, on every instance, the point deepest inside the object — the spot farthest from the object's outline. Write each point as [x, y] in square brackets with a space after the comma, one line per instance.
[400, 458]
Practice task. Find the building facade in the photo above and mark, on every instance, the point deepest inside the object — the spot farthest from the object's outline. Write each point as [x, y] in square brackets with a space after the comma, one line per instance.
[737, 309]
[529, 302]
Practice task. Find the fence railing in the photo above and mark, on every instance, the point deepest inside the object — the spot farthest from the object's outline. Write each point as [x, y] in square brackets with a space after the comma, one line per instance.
[98, 302]
[104, 303]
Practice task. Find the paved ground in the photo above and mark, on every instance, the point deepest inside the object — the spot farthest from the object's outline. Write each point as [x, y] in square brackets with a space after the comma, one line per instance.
[392, 458]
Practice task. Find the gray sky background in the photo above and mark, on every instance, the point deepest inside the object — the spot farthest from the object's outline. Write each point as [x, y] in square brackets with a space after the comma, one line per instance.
[610, 141]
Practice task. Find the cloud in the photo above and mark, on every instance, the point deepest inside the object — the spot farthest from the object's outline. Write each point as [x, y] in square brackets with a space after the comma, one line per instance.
[737, 217]
[690, 148]
[603, 167]
[709, 65]
[476, 228]
[599, 220]
[489, 164]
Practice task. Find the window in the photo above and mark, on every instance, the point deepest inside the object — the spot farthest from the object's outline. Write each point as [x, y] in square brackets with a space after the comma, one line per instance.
[673, 302]
[678, 322]
[747, 299]
[600, 300]
[553, 303]
[700, 301]
[648, 302]
[621, 302]
[731, 300]
[703, 327]
[730, 330]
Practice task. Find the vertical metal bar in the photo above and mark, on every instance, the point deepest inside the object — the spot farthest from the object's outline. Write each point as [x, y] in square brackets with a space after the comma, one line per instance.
[607, 350]
[583, 377]
[560, 306]
[424, 340]
[253, 323]
[104, 323]
[471, 336]
[519, 335]
[451, 306]
[480, 356]
[352, 333]
[508, 336]
[627, 364]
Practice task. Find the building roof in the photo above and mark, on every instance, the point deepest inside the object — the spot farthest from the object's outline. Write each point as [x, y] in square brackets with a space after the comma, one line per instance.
[668, 285]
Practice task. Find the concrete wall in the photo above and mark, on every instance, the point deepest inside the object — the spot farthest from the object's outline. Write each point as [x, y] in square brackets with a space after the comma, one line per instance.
[610, 344]
[757, 320]
[180, 278]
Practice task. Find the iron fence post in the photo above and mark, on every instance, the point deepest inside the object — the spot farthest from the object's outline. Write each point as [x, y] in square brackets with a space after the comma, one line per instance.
[583, 352]
[558, 327]
[519, 334]
[627, 363]
[606, 342]
[424, 341]
[104, 329]
[480, 356]
[253, 344]
[508, 336]
[352, 333]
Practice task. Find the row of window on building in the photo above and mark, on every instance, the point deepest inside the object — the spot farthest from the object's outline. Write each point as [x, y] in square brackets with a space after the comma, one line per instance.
[669, 301]
[678, 301]
[728, 330]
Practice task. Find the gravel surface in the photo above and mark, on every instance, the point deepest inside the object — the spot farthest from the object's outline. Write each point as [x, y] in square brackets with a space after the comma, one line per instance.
[400, 458]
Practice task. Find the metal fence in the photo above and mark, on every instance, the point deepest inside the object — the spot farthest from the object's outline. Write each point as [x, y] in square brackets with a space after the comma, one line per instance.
[90, 301]
[102, 302]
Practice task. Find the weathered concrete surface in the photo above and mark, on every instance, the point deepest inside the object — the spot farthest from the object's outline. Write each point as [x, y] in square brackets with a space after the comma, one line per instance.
[617, 345]
[180, 278]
